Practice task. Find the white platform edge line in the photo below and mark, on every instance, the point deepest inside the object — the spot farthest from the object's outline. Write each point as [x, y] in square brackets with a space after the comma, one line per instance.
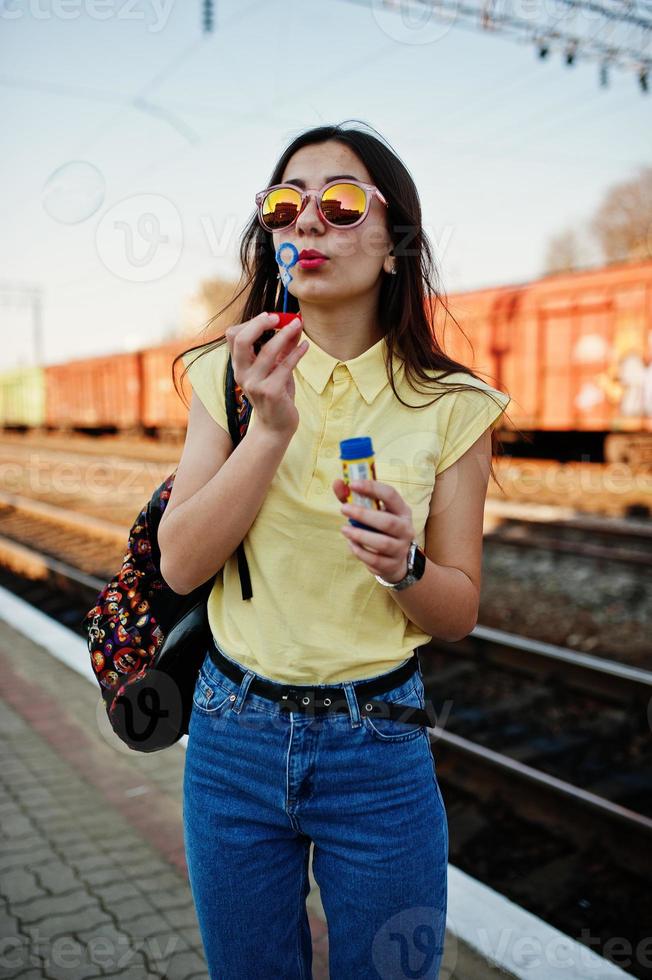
[512, 939]
[500, 931]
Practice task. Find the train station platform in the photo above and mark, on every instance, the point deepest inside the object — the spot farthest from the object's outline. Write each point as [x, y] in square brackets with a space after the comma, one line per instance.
[93, 875]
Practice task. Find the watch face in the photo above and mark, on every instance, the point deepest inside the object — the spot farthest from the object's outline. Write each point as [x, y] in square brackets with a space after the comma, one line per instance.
[419, 563]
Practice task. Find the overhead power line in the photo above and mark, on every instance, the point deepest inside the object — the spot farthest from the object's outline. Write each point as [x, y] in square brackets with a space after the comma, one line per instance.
[614, 33]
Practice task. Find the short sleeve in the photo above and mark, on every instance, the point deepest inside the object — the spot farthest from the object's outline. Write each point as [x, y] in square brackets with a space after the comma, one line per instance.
[207, 373]
[472, 412]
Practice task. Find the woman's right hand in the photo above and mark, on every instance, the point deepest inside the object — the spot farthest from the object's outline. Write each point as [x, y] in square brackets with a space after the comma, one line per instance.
[267, 378]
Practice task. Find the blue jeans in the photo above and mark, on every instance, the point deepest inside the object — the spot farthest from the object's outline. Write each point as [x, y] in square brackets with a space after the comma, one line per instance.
[260, 784]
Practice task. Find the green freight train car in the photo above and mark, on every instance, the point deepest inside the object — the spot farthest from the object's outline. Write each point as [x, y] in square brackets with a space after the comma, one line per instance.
[22, 398]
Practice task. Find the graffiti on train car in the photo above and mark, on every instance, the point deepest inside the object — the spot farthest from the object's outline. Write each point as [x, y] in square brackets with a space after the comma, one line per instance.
[631, 360]
[626, 382]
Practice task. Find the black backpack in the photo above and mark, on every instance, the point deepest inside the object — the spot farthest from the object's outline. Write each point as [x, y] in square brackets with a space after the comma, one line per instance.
[147, 642]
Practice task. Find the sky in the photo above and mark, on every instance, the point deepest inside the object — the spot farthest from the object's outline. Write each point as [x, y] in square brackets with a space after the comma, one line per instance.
[134, 145]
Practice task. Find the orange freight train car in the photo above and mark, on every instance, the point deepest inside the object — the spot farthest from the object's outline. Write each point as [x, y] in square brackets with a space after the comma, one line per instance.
[163, 412]
[574, 351]
[95, 393]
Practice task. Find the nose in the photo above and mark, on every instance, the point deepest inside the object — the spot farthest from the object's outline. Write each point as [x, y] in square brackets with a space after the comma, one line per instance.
[309, 220]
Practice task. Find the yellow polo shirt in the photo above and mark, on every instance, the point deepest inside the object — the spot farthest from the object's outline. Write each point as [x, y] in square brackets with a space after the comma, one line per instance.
[318, 615]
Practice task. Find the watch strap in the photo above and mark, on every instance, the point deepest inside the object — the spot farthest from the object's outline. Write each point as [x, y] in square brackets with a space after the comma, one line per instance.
[409, 578]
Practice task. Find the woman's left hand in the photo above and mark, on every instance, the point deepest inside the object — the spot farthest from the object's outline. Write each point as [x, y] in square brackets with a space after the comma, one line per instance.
[385, 549]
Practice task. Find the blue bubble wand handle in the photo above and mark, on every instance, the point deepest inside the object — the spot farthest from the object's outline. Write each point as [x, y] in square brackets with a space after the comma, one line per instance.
[284, 274]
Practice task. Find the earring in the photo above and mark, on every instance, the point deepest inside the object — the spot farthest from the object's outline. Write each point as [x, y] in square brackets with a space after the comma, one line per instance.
[394, 272]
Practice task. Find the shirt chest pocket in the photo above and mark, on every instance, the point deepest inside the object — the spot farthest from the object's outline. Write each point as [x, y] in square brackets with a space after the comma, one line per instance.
[412, 474]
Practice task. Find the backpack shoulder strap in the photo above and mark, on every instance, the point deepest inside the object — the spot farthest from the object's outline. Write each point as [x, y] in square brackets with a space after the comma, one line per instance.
[238, 407]
[238, 414]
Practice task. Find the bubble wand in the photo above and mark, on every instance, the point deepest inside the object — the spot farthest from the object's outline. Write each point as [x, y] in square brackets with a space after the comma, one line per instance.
[286, 278]
[285, 275]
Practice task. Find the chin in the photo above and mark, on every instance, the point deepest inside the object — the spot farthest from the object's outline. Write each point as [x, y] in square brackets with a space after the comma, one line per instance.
[310, 290]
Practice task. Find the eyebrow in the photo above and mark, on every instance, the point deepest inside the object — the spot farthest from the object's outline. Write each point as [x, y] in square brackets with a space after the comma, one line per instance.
[302, 183]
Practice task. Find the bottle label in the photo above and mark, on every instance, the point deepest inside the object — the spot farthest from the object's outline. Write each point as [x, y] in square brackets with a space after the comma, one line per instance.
[360, 469]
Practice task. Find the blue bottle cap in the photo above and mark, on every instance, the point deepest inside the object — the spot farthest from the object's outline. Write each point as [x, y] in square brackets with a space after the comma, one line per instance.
[359, 448]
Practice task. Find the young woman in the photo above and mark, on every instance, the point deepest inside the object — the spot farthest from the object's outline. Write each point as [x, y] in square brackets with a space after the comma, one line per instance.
[289, 741]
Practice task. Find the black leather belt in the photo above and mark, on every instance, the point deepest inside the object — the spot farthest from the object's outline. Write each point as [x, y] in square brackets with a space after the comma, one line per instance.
[318, 701]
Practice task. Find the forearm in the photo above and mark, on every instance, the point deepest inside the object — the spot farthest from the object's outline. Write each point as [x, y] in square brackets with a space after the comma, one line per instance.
[443, 603]
[205, 530]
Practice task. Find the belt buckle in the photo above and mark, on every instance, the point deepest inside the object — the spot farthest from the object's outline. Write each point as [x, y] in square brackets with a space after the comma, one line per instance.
[290, 701]
[306, 702]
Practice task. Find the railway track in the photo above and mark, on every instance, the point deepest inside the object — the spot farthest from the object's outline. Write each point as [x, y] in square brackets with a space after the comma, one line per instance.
[543, 753]
[82, 482]
[574, 726]
[96, 546]
[561, 490]
[605, 539]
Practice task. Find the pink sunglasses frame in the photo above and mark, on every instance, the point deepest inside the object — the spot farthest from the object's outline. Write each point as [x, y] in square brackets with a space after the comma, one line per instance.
[370, 190]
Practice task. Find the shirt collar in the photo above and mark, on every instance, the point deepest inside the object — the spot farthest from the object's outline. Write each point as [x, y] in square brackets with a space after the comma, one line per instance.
[367, 369]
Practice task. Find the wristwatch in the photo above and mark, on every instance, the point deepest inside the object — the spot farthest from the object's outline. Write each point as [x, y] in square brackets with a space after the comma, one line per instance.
[416, 566]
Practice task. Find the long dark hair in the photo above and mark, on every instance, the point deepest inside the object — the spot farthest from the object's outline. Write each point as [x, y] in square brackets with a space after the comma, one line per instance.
[408, 301]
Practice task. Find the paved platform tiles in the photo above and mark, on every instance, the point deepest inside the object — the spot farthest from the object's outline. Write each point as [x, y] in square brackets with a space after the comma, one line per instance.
[93, 880]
